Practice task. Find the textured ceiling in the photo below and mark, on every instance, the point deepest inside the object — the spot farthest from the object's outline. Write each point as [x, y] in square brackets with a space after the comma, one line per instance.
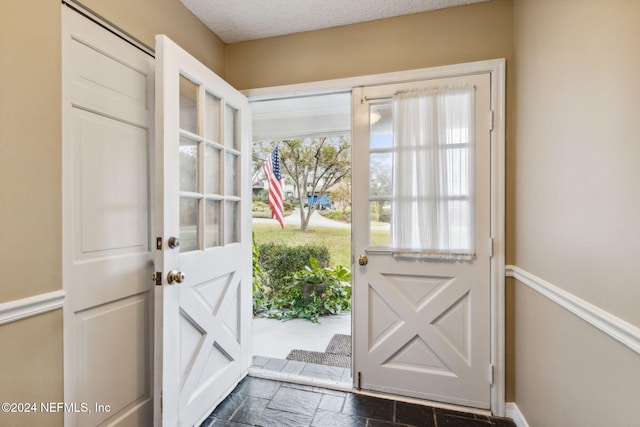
[241, 20]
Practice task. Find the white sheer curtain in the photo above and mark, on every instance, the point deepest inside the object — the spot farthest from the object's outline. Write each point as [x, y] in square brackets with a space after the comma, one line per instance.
[432, 206]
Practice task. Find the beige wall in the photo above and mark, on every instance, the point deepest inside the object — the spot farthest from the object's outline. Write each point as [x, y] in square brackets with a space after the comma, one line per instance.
[576, 205]
[30, 200]
[31, 368]
[567, 373]
[30, 175]
[448, 36]
[30, 127]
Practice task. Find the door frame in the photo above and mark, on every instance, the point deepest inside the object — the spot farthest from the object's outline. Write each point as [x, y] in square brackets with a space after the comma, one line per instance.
[497, 70]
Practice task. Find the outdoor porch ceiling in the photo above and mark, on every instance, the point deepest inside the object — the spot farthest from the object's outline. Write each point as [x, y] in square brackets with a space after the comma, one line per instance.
[308, 116]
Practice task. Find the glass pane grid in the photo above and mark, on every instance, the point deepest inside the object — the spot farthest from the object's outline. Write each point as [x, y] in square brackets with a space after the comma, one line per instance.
[188, 105]
[212, 224]
[438, 208]
[212, 117]
[379, 222]
[189, 221]
[231, 222]
[231, 139]
[212, 170]
[188, 165]
[210, 193]
[232, 177]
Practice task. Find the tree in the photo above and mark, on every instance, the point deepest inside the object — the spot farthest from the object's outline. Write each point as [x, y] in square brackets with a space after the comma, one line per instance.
[259, 153]
[341, 193]
[380, 182]
[313, 164]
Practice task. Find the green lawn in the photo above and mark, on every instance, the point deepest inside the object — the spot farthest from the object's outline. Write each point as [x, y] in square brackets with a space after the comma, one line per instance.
[338, 240]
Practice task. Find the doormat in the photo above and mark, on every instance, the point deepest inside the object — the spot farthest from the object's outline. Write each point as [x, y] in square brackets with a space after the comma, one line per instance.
[338, 353]
[320, 358]
[340, 344]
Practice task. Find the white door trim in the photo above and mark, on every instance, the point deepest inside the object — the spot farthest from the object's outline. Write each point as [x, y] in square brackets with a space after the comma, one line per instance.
[496, 68]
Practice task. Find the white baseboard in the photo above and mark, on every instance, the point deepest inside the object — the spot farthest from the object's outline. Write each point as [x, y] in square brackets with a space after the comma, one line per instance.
[513, 412]
[618, 329]
[32, 306]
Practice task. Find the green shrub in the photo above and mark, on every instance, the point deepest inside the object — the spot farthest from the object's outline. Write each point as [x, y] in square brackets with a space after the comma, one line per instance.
[263, 210]
[280, 260]
[260, 279]
[313, 292]
[337, 215]
[258, 206]
[261, 196]
[287, 205]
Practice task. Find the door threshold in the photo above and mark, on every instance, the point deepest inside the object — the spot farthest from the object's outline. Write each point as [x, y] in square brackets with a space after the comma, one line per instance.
[301, 379]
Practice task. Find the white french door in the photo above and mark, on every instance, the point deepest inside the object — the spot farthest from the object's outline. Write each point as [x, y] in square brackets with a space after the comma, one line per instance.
[422, 322]
[203, 262]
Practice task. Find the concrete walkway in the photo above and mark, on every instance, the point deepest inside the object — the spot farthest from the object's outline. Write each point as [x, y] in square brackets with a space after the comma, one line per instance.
[293, 220]
[276, 338]
[316, 220]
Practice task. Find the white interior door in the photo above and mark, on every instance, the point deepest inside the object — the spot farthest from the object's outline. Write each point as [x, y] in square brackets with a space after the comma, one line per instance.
[203, 312]
[422, 323]
[107, 252]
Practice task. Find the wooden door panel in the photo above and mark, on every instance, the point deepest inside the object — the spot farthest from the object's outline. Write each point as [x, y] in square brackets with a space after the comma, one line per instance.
[110, 371]
[438, 315]
[109, 157]
[107, 259]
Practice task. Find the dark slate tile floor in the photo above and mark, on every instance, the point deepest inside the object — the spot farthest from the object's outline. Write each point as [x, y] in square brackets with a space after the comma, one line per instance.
[268, 403]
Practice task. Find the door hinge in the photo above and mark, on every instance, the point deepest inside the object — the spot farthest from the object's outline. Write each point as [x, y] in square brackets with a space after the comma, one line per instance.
[491, 374]
[490, 120]
[359, 381]
[158, 243]
[490, 247]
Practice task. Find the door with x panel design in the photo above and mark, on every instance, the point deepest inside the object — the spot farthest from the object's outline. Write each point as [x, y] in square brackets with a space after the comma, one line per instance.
[422, 310]
[203, 257]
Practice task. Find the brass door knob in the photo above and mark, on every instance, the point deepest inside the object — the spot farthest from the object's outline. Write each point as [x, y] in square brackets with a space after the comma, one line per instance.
[175, 276]
[363, 260]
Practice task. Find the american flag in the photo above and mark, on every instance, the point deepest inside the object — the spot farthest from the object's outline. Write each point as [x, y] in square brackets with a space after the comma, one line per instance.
[272, 172]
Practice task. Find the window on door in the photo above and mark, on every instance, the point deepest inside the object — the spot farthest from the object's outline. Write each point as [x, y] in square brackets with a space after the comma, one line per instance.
[421, 169]
[209, 163]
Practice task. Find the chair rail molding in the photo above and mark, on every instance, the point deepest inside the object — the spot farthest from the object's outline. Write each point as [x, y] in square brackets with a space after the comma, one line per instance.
[12, 311]
[618, 329]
